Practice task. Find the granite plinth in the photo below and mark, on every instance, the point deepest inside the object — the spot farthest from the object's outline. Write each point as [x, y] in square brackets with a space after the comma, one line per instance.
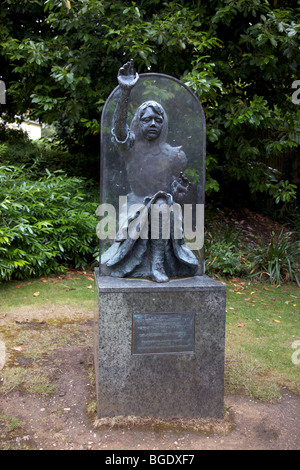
[159, 348]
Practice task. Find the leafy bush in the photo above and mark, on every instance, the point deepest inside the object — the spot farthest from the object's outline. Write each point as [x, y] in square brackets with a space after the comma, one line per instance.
[240, 57]
[279, 260]
[227, 253]
[17, 149]
[224, 251]
[45, 224]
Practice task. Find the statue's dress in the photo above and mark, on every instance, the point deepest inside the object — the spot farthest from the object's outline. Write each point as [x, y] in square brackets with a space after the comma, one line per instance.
[151, 168]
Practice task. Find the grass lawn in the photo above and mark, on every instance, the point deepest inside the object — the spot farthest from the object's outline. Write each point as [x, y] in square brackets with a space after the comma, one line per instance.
[73, 288]
[262, 325]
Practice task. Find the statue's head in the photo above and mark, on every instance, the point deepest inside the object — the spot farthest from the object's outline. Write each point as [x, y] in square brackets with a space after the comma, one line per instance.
[150, 121]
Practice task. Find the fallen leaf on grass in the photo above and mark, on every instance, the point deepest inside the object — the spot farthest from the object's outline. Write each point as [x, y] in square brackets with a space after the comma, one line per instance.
[277, 321]
[36, 294]
[241, 324]
[89, 287]
[90, 278]
[18, 286]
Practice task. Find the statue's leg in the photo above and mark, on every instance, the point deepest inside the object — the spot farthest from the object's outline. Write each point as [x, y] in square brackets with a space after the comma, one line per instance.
[158, 246]
[158, 273]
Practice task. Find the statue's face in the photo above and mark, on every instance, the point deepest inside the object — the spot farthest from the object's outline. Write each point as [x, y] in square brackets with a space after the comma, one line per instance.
[151, 124]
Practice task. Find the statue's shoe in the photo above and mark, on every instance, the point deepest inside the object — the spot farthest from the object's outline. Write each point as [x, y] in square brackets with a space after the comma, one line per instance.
[159, 276]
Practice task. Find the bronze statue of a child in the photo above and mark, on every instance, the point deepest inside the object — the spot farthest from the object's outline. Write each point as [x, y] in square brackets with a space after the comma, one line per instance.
[152, 166]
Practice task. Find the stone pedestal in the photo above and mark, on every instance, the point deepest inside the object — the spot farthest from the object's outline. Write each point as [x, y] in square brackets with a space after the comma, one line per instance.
[159, 348]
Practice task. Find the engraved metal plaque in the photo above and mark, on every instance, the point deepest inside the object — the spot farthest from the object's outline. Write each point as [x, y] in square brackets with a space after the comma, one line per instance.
[158, 333]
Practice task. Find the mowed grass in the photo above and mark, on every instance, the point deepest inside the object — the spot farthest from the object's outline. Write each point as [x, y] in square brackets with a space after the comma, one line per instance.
[262, 326]
[74, 288]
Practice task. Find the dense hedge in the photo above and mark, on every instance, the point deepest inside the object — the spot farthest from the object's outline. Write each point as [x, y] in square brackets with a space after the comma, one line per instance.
[17, 149]
[45, 224]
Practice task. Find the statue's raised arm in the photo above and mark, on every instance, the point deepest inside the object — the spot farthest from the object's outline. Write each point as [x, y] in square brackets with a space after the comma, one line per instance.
[127, 78]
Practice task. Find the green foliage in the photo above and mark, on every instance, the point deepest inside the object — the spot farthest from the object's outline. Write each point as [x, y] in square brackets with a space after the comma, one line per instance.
[17, 149]
[279, 259]
[225, 252]
[45, 224]
[231, 251]
[60, 61]
[283, 191]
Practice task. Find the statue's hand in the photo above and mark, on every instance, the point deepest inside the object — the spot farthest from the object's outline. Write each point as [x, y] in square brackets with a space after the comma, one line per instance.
[180, 186]
[126, 76]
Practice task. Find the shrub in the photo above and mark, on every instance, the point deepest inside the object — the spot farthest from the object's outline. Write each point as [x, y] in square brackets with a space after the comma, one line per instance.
[224, 251]
[279, 260]
[45, 224]
[17, 149]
